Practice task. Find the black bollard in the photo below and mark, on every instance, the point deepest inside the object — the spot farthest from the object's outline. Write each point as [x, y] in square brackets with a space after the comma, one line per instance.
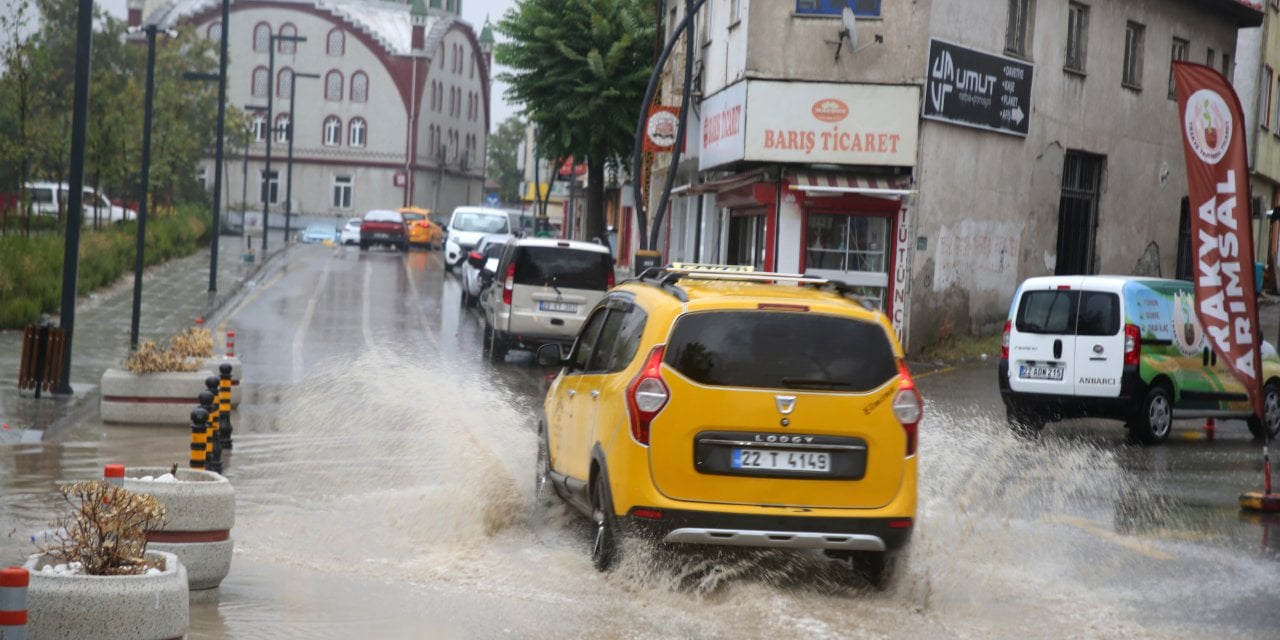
[224, 406]
[215, 416]
[199, 435]
[213, 448]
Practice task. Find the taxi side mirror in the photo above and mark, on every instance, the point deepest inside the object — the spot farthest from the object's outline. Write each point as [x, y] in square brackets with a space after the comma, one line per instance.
[550, 355]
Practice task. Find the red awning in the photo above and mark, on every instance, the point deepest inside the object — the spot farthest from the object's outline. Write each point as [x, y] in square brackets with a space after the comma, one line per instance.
[876, 186]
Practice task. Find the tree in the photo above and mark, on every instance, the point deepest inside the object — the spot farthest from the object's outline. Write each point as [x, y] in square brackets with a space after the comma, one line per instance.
[580, 69]
[504, 147]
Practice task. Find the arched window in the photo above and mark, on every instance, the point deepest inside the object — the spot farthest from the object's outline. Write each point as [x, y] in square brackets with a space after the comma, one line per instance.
[259, 127]
[336, 44]
[282, 128]
[359, 87]
[357, 135]
[333, 86]
[440, 55]
[332, 131]
[261, 37]
[433, 94]
[285, 46]
[284, 82]
[214, 31]
[260, 82]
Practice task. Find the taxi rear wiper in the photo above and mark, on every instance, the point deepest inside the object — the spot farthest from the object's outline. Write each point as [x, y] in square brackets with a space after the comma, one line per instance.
[814, 383]
[552, 284]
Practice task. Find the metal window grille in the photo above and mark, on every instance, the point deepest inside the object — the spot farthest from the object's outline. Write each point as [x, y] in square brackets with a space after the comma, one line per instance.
[260, 82]
[333, 86]
[261, 38]
[1078, 212]
[336, 43]
[284, 83]
[359, 87]
[215, 31]
[287, 46]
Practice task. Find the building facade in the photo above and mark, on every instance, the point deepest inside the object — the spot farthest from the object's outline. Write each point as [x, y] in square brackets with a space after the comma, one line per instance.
[946, 151]
[397, 115]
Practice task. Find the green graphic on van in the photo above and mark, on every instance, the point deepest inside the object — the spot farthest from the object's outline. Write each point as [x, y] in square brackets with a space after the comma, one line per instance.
[1188, 335]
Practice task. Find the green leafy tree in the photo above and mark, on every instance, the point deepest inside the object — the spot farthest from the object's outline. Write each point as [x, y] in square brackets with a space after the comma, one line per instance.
[580, 69]
[504, 147]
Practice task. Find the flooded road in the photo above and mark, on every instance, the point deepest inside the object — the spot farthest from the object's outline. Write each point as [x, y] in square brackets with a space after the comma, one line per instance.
[384, 474]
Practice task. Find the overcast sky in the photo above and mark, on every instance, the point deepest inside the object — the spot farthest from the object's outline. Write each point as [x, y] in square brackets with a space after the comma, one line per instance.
[473, 11]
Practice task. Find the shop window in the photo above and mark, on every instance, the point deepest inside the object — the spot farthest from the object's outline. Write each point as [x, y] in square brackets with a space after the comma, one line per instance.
[861, 8]
[854, 247]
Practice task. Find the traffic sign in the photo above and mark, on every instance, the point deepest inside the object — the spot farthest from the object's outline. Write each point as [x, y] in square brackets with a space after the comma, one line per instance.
[491, 198]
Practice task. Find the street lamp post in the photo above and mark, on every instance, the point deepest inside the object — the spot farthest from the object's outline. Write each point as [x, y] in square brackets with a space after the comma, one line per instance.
[220, 78]
[271, 91]
[265, 186]
[293, 117]
[144, 187]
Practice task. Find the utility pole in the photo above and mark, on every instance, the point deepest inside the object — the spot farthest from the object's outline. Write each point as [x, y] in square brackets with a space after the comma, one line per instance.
[293, 117]
[144, 188]
[75, 200]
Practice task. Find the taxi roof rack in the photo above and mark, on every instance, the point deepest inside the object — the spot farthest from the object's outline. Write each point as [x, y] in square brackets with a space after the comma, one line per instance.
[668, 276]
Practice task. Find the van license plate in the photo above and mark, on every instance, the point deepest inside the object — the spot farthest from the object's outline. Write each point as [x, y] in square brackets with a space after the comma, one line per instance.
[559, 307]
[1040, 373]
[805, 461]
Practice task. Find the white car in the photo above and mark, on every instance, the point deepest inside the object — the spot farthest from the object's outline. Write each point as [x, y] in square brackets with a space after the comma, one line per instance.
[466, 226]
[48, 198]
[486, 252]
[350, 233]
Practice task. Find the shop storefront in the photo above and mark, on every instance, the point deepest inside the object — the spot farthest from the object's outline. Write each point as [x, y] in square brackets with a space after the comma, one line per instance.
[823, 183]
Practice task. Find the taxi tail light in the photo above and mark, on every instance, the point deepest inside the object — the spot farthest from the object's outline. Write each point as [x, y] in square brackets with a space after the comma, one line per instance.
[647, 395]
[1132, 344]
[509, 283]
[1004, 341]
[908, 407]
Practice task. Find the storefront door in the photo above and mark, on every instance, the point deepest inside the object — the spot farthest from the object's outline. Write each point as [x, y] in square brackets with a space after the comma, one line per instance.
[746, 243]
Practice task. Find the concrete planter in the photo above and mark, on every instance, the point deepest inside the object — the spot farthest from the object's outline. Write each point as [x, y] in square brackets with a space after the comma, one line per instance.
[200, 511]
[165, 397]
[142, 607]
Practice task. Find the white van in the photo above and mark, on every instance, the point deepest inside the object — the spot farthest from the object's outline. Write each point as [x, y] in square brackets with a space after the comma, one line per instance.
[51, 198]
[542, 291]
[1127, 348]
[466, 226]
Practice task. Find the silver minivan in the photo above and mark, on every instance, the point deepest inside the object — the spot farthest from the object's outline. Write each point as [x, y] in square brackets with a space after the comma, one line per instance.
[542, 291]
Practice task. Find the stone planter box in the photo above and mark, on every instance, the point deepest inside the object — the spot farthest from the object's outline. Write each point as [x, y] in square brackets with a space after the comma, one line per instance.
[142, 607]
[200, 511]
[162, 397]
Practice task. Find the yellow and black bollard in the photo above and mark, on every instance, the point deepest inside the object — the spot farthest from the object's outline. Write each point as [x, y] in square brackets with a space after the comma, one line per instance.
[213, 448]
[199, 437]
[215, 414]
[224, 406]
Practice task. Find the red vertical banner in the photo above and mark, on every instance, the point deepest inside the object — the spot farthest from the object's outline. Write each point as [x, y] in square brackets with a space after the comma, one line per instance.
[1213, 142]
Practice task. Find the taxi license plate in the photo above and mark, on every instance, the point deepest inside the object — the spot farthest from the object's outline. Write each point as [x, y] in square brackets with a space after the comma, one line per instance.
[559, 307]
[802, 461]
[1040, 373]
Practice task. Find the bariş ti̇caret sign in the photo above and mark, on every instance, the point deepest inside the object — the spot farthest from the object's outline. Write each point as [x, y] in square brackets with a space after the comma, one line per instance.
[1212, 125]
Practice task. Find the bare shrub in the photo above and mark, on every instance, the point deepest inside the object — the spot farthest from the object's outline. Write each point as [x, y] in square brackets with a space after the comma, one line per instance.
[183, 352]
[106, 531]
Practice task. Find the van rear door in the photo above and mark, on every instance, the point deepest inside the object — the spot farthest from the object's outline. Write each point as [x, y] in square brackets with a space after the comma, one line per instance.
[1042, 341]
[1099, 354]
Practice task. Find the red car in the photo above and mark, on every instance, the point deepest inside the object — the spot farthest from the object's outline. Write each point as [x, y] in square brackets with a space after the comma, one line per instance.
[384, 227]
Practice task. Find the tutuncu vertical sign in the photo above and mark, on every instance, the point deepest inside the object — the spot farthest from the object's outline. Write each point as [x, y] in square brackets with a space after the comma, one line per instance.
[1213, 143]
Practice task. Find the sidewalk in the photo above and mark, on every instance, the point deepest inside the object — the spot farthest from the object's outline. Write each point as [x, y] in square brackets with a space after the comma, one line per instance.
[174, 294]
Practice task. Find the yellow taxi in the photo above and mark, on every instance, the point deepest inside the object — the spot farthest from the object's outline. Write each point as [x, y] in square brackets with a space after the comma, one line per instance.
[422, 231]
[703, 405]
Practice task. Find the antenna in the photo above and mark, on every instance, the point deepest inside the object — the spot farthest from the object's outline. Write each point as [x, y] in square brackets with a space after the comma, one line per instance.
[849, 33]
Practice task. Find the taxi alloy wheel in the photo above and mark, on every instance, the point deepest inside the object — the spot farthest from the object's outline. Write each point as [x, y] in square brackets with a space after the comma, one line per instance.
[604, 548]
[1269, 426]
[1154, 420]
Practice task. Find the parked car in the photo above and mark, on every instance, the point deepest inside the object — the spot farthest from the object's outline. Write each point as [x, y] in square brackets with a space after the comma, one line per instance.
[51, 199]
[1120, 347]
[486, 252]
[319, 233]
[721, 408]
[466, 226]
[350, 233]
[542, 292]
[422, 231]
[383, 227]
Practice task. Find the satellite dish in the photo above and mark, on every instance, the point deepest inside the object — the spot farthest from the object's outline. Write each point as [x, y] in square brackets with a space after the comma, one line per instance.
[850, 26]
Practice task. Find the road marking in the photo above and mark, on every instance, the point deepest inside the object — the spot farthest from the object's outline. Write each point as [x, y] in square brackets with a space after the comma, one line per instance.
[933, 373]
[1127, 542]
[365, 327]
[300, 337]
[222, 327]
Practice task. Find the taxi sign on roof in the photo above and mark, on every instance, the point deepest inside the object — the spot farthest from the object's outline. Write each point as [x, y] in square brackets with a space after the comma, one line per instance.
[697, 266]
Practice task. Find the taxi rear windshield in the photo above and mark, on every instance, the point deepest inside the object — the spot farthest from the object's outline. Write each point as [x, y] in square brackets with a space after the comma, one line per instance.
[781, 350]
[563, 268]
[1068, 312]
